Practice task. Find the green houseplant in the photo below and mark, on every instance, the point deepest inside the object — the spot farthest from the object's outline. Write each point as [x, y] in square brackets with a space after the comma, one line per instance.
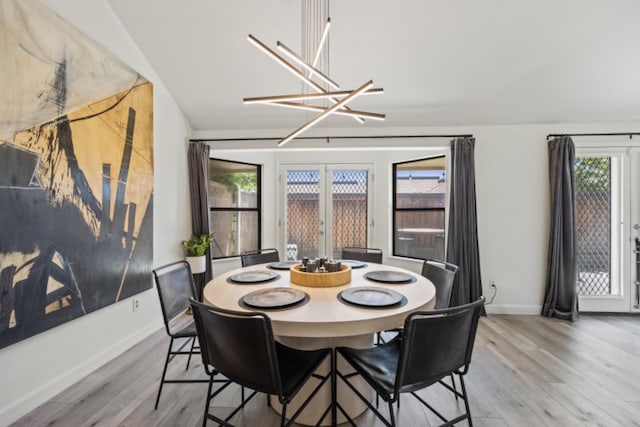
[196, 248]
[198, 245]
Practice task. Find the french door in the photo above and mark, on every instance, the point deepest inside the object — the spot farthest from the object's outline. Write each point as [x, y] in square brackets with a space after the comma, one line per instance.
[608, 222]
[325, 207]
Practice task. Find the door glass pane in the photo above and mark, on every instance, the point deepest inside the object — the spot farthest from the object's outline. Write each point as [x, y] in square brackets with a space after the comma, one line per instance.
[593, 225]
[303, 203]
[349, 191]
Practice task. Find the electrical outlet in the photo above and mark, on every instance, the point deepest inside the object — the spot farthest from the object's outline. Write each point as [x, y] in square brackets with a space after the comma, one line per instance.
[136, 303]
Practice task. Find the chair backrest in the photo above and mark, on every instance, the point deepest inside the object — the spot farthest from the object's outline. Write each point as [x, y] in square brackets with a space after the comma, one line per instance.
[175, 287]
[436, 343]
[362, 254]
[259, 257]
[239, 345]
[442, 274]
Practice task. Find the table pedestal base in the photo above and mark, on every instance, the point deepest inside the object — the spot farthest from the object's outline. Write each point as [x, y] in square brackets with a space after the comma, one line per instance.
[348, 400]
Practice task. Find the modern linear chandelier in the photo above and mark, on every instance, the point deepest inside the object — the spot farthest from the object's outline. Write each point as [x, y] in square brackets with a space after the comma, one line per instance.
[320, 93]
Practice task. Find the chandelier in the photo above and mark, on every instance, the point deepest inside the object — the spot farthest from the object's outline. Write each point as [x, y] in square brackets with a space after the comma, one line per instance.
[320, 93]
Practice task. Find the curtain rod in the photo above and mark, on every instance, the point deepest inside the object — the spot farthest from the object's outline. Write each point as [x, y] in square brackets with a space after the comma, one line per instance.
[630, 134]
[329, 138]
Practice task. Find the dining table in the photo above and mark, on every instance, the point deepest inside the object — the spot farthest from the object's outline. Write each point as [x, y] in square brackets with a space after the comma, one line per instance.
[377, 297]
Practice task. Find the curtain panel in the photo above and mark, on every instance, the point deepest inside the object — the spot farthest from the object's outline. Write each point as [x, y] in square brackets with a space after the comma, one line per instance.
[198, 159]
[462, 241]
[561, 294]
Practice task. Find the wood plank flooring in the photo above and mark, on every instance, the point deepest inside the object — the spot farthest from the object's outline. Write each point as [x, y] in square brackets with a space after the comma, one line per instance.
[526, 371]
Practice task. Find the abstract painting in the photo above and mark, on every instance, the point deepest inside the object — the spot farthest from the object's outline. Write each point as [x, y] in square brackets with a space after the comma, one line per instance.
[76, 174]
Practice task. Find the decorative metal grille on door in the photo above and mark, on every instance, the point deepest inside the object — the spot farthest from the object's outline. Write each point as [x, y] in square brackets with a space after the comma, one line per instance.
[303, 216]
[593, 225]
[349, 189]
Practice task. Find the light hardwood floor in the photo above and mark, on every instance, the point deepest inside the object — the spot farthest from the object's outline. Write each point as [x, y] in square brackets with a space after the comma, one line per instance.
[526, 371]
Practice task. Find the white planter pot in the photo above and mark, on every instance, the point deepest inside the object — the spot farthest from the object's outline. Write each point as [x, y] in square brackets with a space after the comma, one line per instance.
[197, 263]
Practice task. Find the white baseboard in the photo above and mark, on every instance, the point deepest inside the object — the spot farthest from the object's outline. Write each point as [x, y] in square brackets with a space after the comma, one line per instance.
[513, 309]
[25, 404]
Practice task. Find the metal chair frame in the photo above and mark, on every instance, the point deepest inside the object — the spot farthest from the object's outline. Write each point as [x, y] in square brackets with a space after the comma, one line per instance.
[171, 310]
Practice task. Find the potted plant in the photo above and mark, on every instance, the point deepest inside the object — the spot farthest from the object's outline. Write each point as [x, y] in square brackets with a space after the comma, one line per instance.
[196, 248]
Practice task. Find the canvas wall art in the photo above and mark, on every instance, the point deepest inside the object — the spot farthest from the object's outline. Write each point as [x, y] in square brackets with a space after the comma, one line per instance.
[76, 174]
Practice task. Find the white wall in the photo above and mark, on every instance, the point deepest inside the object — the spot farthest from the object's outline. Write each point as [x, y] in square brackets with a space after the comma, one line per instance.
[36, 369]
[512, 195]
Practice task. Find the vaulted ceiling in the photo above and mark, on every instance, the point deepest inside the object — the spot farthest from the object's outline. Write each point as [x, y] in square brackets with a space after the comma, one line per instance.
[441, 62]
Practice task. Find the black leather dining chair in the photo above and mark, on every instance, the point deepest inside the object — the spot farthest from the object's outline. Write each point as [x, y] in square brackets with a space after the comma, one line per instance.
[442, 274]
[362, 254]
[241, 346]
[175, 286]
[433, 345]
[260, 256]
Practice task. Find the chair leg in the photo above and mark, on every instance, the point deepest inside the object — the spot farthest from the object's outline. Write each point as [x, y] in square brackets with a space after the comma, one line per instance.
[206, 405]
[466, 400]
[334, 388]
[283, 416]
[392, 418]
[164, 373]
[193, 343]
[453, 384]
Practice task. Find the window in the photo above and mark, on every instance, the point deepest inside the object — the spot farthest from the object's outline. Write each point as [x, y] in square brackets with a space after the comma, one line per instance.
[234, 200]
[419, 195]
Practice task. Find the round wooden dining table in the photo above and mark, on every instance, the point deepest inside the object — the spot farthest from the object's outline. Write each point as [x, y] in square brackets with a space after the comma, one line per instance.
[324, 319]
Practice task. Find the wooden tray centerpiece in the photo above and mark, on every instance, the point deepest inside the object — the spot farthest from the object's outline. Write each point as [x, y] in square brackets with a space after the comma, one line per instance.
[320, 280]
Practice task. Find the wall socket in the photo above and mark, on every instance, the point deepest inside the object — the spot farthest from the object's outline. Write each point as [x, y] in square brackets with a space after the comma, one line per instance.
[135, 301]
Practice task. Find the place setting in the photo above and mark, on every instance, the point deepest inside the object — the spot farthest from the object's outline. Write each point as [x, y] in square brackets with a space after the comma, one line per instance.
[278, 298]
[253, 276]
[389, 276]
[283, 265]
[372, 297]
[354, 263]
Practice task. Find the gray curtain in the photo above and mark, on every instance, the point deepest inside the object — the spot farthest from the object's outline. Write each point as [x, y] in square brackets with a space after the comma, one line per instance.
[462, 242]
[561, 294]
[198, 158]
